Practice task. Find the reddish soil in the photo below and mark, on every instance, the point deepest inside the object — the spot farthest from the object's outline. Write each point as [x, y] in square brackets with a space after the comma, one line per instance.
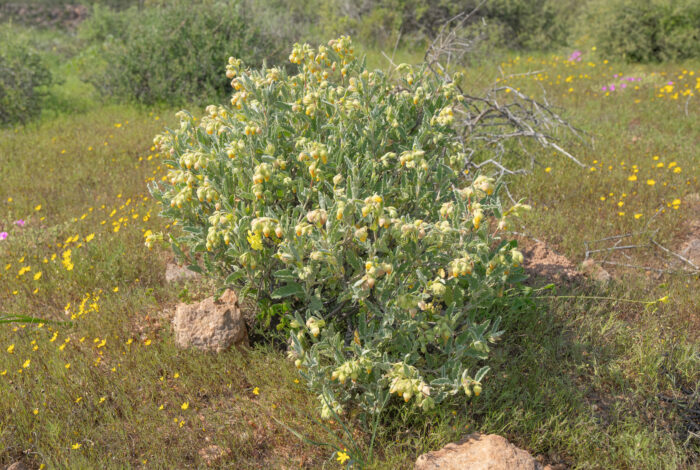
[542, 261]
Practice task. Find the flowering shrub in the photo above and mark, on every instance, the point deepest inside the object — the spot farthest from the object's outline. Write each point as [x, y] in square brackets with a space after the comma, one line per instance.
[342, 193]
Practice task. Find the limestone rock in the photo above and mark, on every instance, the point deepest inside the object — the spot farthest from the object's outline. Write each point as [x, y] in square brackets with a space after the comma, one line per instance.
[17, 466]
[210, 325]
[595, 271]
[176, 273]
[211, 454]
[478, 452]
[691, 251]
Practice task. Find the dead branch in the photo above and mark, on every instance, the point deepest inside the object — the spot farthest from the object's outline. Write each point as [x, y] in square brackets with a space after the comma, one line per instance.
[502, 115]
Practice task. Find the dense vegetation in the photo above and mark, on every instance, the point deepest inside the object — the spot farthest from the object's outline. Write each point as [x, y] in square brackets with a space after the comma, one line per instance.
[24, 80]
[168, 54]
[159, 52]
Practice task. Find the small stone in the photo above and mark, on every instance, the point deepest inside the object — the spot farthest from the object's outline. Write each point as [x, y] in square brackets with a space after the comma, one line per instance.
[175, 273]
[17, 466]
[691, 251]
[478, 452]
[211, 325]
[595, 271]
[211, 454]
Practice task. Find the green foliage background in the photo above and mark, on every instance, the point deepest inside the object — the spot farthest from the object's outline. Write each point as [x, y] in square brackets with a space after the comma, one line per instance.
[174, 53]
[648, 31]
[24, 78]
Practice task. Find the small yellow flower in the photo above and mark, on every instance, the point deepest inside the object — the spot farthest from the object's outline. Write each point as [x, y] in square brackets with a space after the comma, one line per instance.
[116, 289]
[663, 299]
[37, 276]
[11, 348]
[38, 208]
[76, 446]
[638, 216]
[651, 182]
[26, 363]
[342, 457]
[256, 391]
[547, 170]
[255, 240]
[632, 178]
[185, 405]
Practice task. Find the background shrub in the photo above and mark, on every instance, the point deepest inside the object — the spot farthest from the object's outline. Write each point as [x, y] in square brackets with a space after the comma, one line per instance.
[24, 79]
[523, 23]
[645, 31]
[172, 53]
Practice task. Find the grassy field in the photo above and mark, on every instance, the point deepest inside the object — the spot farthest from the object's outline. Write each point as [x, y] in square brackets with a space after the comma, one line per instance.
[590, 383]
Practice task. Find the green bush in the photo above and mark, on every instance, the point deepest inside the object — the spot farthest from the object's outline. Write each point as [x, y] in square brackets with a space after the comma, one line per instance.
[522, 23]
[338, 195]
[646, 31]
[173, 53]
[24, 80]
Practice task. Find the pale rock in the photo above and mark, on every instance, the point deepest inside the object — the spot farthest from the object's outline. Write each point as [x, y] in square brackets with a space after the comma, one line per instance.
[212, 454]
[17, 466]
[595, 271]
[691, 251]
[478, 452]
[211, 325]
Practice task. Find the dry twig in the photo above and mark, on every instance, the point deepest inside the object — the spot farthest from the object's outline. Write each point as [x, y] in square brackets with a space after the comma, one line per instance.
[503, 115]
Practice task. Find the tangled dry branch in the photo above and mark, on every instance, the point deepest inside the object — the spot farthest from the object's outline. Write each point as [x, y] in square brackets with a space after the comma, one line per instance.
[501, 120]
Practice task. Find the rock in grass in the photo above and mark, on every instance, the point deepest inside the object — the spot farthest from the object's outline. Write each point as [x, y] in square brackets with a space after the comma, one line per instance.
[212, 454]
[211, 325]
[478, 452]
[17, 466]
[175, 273]
[595, 271]
[691, 251]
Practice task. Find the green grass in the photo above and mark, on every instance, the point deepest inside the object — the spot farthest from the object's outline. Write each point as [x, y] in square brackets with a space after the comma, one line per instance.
[589, 383]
